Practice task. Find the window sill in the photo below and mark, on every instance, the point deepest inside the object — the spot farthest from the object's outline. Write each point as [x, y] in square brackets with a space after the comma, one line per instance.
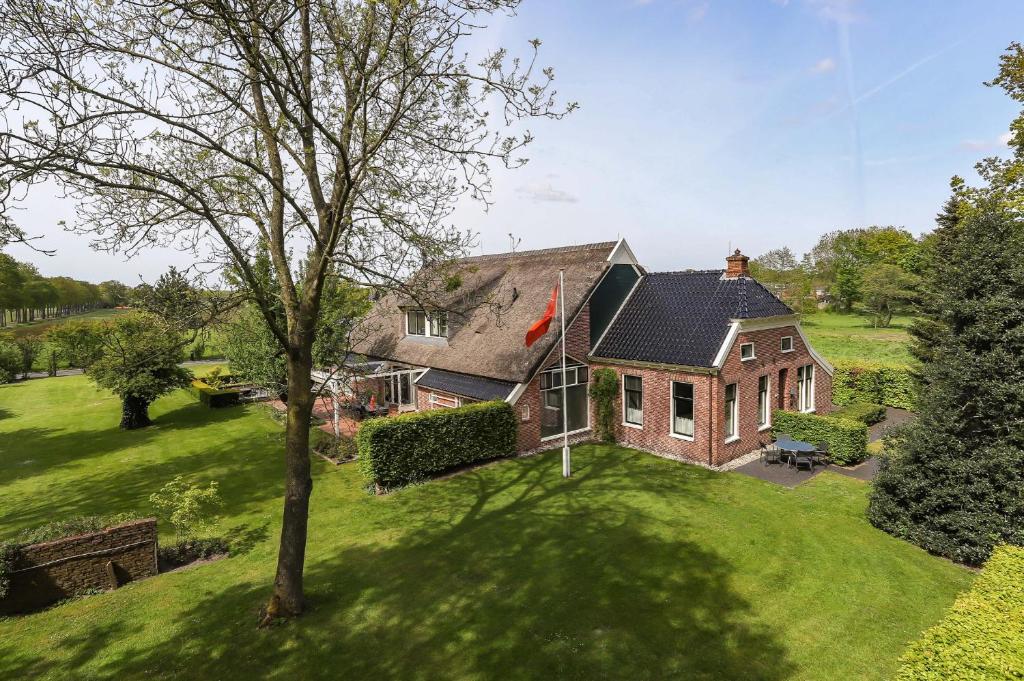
[730, 440]
[638, 426]
[748, 359]
[571, 432]
[808, 411]
[763, 428]
[787, 351]
[685, 438]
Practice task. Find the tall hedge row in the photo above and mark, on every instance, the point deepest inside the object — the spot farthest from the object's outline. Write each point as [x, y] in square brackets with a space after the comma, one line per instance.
[847, 440]
[398, 450]
[867, 382]
[982, 636]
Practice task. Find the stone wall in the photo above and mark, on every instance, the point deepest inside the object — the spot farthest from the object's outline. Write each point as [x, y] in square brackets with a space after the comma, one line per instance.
[51, 571]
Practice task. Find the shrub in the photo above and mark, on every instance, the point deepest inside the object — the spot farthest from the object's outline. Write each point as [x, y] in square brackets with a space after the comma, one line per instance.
[8, 555]
[604, 388]
[215, 398]
[186, 506]
[867, 413]
[889, 385]
[10, 360]
[982, 636]
[398, 450]
[190, 550]
[847, 440]
[70, 527]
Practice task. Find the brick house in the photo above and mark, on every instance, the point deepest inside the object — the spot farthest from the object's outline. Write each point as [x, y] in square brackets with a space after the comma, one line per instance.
[703, 357]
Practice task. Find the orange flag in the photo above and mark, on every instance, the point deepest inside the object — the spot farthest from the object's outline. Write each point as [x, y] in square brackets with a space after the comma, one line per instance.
[540, 327]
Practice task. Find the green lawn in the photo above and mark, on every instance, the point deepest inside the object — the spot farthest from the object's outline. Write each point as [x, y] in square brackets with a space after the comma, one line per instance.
[38, 327]
[635, 568]
[851, 337]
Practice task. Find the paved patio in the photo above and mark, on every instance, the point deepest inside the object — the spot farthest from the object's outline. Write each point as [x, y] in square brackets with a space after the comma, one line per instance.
[786, 475]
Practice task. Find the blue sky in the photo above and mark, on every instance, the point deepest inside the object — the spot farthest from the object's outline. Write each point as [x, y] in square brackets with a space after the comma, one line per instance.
[710, 123]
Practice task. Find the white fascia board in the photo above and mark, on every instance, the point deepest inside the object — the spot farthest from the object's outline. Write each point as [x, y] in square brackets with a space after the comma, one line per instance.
[730, 339]
[764, 323]
[622, 254]
[516, 393]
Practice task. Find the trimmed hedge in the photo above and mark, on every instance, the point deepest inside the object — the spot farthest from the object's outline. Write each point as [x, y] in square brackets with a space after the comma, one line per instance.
[867, 413]
[847, 440]
[215, 397]
[982, 636]
[889, 385]
[398, 450]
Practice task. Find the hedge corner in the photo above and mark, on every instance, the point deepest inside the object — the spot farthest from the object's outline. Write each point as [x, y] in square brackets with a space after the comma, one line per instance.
[847, 440]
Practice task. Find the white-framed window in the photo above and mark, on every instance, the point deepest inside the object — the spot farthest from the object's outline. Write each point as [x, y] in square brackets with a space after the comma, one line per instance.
[805, 387]
[443, 401]
[431, 325]
[764, 407]
[746, 351]
[682, 410]
[731, 410]
[632, 401]
[576, 398]
[524, 413]
[786, 344]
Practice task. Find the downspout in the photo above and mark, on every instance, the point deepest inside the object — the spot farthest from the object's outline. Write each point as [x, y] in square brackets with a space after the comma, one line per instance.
[711, 421]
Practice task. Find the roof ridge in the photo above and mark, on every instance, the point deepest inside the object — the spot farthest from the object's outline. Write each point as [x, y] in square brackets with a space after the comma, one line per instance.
[597, 245]
[688, 272]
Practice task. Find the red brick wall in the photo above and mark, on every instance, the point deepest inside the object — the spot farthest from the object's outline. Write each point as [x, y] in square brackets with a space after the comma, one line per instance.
[655, 434]
[48, 572]
[577, 345]
[769, 359]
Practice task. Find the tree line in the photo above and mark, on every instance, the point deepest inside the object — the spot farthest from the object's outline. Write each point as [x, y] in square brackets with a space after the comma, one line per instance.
[877, 269]
[27, 296]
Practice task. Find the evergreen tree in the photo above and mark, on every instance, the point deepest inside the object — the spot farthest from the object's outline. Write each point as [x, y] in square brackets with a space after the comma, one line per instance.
[954, 480]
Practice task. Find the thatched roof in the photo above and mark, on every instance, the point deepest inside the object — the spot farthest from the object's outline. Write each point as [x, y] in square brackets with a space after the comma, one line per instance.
[500, 296]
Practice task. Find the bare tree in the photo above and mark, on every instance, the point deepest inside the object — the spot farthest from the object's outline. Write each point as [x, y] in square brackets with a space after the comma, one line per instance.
[336, 134]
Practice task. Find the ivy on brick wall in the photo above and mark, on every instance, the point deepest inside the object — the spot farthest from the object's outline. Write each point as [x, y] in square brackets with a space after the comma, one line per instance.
[604, 388]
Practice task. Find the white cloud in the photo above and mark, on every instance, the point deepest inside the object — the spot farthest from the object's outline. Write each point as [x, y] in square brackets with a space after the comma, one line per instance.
[987, 144]
[826, 65]
[1006, 138]
[545, 192]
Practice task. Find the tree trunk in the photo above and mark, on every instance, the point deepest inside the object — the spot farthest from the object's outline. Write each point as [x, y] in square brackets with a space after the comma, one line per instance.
[287, 599]
[134, 413]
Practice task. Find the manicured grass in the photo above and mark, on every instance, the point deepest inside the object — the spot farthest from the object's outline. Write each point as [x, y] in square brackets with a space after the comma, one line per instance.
[42, 325]
[635, 568]
[851, 337]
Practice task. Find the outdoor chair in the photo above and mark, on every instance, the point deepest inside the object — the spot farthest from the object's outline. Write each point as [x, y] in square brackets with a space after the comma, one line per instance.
[770, 454]
[821, 453]
[798, 459]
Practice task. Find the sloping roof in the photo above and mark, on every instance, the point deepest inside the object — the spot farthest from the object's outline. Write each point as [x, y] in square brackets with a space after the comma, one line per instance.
[683, 317]
[500, 296]
[467, 386]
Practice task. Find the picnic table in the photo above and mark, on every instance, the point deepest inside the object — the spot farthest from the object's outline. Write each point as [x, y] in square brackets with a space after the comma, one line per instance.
[796, 448]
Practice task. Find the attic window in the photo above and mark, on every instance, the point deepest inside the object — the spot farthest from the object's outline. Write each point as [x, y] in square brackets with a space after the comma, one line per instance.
[430, 325]
[787, 344]
[747, 351]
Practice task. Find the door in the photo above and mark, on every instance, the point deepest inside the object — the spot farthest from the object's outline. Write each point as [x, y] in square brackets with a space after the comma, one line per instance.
[783, 374]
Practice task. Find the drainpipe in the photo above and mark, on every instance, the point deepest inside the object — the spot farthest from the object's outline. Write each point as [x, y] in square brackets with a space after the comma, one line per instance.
[711, 421]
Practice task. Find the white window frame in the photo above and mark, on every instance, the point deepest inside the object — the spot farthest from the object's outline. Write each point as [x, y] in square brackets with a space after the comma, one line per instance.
[569, 370]
[625, 421]
[735, 412]
[524, 412]
[753, 355]
[428, 322]
[672, 410]
[782, 344]
[767, 402]
[806, 388]
[443, 401]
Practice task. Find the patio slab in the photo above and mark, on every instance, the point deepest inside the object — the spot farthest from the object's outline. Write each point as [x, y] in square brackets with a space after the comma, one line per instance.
[780, 473]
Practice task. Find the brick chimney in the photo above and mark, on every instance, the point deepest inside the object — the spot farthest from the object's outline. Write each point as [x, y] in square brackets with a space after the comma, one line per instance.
[736, 265]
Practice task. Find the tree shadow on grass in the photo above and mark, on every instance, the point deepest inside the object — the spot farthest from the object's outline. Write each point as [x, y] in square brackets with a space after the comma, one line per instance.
[506, 572]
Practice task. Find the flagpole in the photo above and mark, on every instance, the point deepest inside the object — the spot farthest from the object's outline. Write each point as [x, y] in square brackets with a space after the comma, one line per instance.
[566, 466]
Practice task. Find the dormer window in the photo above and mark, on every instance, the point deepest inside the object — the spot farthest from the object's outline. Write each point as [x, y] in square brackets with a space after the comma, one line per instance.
[430, 325]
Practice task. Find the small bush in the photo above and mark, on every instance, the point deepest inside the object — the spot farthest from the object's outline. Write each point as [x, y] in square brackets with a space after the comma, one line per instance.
[186, 506]
[604, 388]
[190, 550]
[892, 386]
[982, 636]
[398, 450]
[215, 398]
[10, 360]
[865, 412]
[71, 527]
[847, 440]
[8, 556]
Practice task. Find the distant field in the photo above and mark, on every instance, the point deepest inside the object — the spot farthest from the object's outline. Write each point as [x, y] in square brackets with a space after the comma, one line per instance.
[851, 337]
[37, 327]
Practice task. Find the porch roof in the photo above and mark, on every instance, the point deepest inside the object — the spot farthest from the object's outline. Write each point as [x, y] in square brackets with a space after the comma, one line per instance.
[464, 385]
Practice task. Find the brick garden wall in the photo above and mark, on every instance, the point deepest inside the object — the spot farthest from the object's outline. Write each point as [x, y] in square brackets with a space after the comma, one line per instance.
[48, 572]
